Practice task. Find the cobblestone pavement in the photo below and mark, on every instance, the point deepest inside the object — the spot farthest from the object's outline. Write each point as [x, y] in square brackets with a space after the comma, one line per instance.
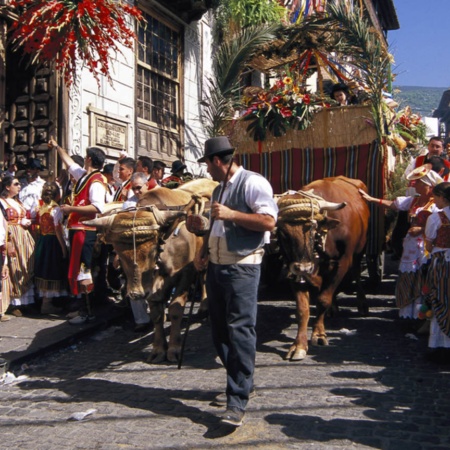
[371, 388]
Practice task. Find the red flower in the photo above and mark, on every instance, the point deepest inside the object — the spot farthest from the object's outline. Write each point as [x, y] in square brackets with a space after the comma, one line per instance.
[64, 30]
[306, 99]
[285, 112]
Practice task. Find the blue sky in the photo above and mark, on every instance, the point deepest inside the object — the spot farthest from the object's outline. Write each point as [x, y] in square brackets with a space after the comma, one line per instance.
[421, 47]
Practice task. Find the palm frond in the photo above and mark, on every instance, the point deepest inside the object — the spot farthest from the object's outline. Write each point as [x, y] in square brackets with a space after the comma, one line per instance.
[233, 55]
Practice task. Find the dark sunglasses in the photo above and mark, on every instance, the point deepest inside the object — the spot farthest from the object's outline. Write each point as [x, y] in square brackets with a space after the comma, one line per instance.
[136, 188]
[16, 184]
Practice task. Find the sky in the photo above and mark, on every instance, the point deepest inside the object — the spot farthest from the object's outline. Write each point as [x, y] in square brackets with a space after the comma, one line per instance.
[421, 47]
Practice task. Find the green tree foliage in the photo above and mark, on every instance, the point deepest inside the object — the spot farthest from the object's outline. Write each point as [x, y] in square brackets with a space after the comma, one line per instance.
[231, 16]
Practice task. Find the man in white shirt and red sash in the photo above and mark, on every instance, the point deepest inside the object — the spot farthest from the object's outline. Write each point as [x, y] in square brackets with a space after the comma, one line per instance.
[435, 148]
[127, 167]
[88, 200]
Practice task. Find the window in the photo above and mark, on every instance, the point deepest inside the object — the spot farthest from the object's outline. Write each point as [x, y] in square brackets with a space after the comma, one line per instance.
[158, 74]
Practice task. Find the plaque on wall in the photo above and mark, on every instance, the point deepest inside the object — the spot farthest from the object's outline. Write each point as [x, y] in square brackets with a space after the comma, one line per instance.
[108, 131]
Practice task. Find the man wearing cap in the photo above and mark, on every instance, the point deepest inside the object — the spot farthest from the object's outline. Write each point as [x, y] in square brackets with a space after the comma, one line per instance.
[243, 213]
[419, 208]
[31, 194]
[176, 179]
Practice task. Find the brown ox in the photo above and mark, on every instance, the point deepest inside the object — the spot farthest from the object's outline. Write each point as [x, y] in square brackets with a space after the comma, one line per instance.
[320, 249]
[156, 253]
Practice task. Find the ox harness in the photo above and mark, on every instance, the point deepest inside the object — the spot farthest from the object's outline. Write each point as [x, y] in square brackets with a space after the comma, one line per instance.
[304, 210]
[140, 230]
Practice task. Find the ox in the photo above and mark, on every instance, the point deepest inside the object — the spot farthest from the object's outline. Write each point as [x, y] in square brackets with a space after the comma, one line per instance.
[321, 247]
[156, 253]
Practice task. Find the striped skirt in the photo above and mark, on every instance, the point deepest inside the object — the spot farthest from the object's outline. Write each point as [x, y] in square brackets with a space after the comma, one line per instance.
[438, 281]
[408, 288]
[21, 266]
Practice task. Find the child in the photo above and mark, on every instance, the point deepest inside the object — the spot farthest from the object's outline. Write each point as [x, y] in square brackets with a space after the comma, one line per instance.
[437, 241]
[51, 251]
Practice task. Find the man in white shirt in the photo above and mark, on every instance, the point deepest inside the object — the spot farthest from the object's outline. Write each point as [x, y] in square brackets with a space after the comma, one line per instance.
[31, 194]
[138, 185]
[88, 200]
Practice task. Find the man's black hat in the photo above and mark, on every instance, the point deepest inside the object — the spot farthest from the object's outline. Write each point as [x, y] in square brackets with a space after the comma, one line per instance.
[35, 163]
[177, 166]
[219, 145]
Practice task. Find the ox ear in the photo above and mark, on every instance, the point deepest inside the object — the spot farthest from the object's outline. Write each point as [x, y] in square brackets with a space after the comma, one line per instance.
[331, 223]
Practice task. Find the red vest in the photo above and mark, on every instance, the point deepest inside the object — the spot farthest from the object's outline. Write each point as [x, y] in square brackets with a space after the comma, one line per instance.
[443, 233]
[121, 194]
[420, 161]
[81, 198]
[151, 184]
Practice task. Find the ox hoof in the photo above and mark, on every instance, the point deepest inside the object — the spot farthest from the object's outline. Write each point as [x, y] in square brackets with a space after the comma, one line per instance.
[156, 358]
[173, 355]
[319, 340]
[295, 354]
[299, 355]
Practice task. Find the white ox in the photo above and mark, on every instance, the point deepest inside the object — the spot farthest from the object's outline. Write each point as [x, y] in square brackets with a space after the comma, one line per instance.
[156, 253]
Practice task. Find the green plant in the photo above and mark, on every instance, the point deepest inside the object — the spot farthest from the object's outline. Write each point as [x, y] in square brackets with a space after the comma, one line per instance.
[285, 105]
[223, 87]
[232, 16]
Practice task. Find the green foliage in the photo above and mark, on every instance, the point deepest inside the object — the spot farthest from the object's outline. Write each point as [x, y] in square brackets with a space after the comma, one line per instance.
[233, 15]
[398, 183]
[230, 59]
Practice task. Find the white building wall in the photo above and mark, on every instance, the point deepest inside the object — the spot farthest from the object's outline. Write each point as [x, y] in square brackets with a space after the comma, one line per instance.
[114, 101]
[118, 100]
[197, 63]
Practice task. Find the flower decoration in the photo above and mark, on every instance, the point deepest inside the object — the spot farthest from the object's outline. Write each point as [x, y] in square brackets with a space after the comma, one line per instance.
[64, 30]
[410, 126]
[285, 105]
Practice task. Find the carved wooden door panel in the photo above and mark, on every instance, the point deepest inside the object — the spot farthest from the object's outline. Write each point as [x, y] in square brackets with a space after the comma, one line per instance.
[30, 113]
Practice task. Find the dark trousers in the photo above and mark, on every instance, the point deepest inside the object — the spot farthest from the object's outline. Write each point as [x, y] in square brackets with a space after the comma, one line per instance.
[232, 300]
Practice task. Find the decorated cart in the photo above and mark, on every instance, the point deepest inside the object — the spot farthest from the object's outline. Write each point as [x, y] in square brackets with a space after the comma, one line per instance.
[339, 141]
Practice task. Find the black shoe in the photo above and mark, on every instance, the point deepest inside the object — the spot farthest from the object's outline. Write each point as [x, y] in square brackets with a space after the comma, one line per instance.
[140, 327]
[220, 400]
[233, 416]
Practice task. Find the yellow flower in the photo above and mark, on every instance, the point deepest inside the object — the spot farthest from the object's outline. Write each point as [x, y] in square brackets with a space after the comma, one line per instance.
[287, 80]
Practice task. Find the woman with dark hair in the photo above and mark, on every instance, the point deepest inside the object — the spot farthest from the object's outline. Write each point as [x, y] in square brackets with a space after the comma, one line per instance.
[437, 241]
[51, 251]
[341, 94]
[20, 248]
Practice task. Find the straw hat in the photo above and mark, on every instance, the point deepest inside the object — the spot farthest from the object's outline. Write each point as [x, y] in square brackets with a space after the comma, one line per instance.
[426, 175]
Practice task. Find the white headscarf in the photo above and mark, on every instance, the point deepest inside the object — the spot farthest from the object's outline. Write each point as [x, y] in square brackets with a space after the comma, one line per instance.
[431, 178]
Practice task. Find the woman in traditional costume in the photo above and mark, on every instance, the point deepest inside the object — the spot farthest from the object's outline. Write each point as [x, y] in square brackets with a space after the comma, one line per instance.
[408, 292]
[4, 271]
[51, 252]
[437, 241]
[20, 247]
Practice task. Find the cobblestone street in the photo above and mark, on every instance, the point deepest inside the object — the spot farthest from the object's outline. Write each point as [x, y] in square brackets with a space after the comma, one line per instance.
[371, 388]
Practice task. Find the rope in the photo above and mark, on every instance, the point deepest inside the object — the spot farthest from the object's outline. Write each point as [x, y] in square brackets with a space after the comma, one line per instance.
[299, 210]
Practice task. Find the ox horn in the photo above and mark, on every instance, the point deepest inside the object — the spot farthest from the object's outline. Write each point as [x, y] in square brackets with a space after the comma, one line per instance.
[331, 206]
[101, 222]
